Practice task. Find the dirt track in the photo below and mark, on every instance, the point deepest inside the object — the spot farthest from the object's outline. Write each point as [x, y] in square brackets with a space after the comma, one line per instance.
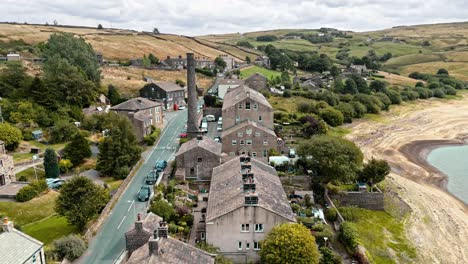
[438, 225]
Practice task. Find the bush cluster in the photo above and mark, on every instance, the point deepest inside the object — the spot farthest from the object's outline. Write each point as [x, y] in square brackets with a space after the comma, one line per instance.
[31, 191]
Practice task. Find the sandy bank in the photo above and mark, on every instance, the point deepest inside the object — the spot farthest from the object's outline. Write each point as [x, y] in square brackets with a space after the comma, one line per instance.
[438, 225]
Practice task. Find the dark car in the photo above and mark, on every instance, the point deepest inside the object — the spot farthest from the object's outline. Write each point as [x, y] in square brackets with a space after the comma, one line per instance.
[152, 177]
[161, 164]
[144, 194]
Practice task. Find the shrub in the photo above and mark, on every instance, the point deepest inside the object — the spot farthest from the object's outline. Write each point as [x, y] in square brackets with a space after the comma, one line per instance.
[359, 109]
[26, 193]
[332, 116]
[40, 186]
[205, 72]
[331, 214]
[439, 93]
[70, 247]
[65, 165]
[23, 178]
[329, 257]
[349, 236]
[62, 131]
[393, 95]
[450, 91]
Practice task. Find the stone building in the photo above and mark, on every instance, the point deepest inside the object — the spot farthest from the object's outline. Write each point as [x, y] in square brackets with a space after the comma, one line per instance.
[262, 61]
[149, 242]
[143, 114]
[249, 138]
[245, 104]
[7, 173]
[246, 200]
[258, 82]
[177, 63]
[225, 84]
[197, 158]
[230, 63]
[204, 62]
[170, 94]
[18, 248]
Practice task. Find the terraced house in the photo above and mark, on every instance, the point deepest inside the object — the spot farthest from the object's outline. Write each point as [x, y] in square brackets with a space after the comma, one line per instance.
[246, 200]
[169, 94]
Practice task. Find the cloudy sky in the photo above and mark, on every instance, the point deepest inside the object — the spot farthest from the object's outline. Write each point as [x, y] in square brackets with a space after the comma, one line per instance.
[196, 17]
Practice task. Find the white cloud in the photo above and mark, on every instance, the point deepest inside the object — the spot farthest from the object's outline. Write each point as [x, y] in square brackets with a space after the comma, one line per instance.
[223, 16]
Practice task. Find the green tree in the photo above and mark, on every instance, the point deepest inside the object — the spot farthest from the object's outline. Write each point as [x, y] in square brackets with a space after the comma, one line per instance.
[332, 116]
[163, 209]
[145, 61]
[347, 110]
[119, 151]
[39, 93]
[333, 158]
[51, 165]
[350, 87]
[153, 59]
[62, 131]
[77, 150]
[289, 243]
[113, 95]
[13, 80]
[335, 71]
[443, 71]
[10, 135]
[374, 171]
[248, 60]
[219, 62]
[377, 86]
[99, 26]
[361, 84]
[80, 200]
[76, 52]
[70, 247]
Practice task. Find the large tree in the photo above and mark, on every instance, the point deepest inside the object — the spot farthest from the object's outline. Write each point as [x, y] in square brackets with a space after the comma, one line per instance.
[220, 62]
[80, 200]
[333, 158]
[76, 51]
[10, 135]
[289, 243]
[77, 150]
[51, 165]
[13, 80]
[113, 95]
[374, 171]
[119, 151]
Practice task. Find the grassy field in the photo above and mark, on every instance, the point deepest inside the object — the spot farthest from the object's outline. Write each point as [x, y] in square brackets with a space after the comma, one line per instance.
[49, 229]
[21, 156]
[394, 79]
[29, 173]
[129, 80]
[30, 211]
[383, 236]
[456, 69]
[249, 71]
[288, 105]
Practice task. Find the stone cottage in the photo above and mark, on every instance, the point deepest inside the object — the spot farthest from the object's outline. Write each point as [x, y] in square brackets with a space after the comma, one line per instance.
[258, 82]
[197, 158]
[170, 94]
[143, 114]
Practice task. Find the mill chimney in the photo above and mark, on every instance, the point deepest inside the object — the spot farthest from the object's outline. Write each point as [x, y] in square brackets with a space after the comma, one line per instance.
[192, 127]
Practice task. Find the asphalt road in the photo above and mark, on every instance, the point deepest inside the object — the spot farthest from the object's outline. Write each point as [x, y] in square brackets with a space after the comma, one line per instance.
[109, 243]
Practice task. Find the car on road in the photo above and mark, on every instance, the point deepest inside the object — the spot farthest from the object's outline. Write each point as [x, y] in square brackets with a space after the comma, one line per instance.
[145, 193]
[217, 139]
[54, 183]
[220, 120]
[152, 177]
[204, 127]
[161, 165]
[210, 118]
[183, 135]
[182, 107]
[219, 128]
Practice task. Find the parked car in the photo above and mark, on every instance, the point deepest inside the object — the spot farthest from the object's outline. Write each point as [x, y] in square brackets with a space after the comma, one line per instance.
[54, 183]
[219, 128]
[160, 164]
[182, 107]
[220, 120]
[204, 127]
[145, 193]
[183, 135]
[210, 118]
[217, 139]
[152, 177]
[292, 153]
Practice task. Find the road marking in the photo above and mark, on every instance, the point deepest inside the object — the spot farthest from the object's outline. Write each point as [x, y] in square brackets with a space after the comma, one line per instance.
[130, 207]
[121, 222]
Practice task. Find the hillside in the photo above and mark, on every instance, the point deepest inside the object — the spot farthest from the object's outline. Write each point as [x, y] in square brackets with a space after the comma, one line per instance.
[117, 44]
[424, 48]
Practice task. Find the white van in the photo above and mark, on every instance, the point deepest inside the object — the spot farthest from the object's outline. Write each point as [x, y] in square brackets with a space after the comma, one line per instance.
[204, 127]
[210, 118]
[220, 120]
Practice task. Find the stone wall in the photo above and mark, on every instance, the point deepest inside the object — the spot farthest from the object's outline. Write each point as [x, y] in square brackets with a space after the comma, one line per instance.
[371, 201]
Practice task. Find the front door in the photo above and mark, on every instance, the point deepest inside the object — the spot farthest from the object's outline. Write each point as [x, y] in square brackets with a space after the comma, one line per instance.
[2, 180]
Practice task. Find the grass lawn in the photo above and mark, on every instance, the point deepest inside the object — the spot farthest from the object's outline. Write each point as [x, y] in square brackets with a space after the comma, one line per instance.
[30, 211]
[21, 157]
[29, 173]
[383, 236]
[49, 229]
[249, 71]
[287, 104]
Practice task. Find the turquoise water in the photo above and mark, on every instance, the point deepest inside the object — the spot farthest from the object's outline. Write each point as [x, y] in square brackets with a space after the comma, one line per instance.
[453, 161]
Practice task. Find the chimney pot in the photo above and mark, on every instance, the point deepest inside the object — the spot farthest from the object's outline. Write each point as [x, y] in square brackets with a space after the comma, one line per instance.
[139, 225]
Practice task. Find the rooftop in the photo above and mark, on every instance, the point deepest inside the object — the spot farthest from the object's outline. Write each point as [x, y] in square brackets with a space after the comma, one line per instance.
[20, 247]
[226, 191]
[246, 123]
[168, 86]
[206, 143]
[242, 92]
[135, 104]
[231, 82]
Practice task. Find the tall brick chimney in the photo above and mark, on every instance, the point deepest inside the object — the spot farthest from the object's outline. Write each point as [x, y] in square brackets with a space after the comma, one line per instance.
[192, 126]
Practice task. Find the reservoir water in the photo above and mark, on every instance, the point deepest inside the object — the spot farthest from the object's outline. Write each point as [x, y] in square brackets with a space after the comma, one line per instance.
[453, 162]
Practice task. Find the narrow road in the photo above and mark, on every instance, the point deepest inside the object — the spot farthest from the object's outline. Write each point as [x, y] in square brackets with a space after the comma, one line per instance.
[109, 243]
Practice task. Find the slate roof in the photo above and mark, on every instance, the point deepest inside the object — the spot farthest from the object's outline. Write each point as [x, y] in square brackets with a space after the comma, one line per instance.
[231, 82]
[235, 95]
[247, 123]
[17, 247]
[174, 251]
[135, 104]
[206, 143]
[255, 75]
[168, 86]
[226, 194]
